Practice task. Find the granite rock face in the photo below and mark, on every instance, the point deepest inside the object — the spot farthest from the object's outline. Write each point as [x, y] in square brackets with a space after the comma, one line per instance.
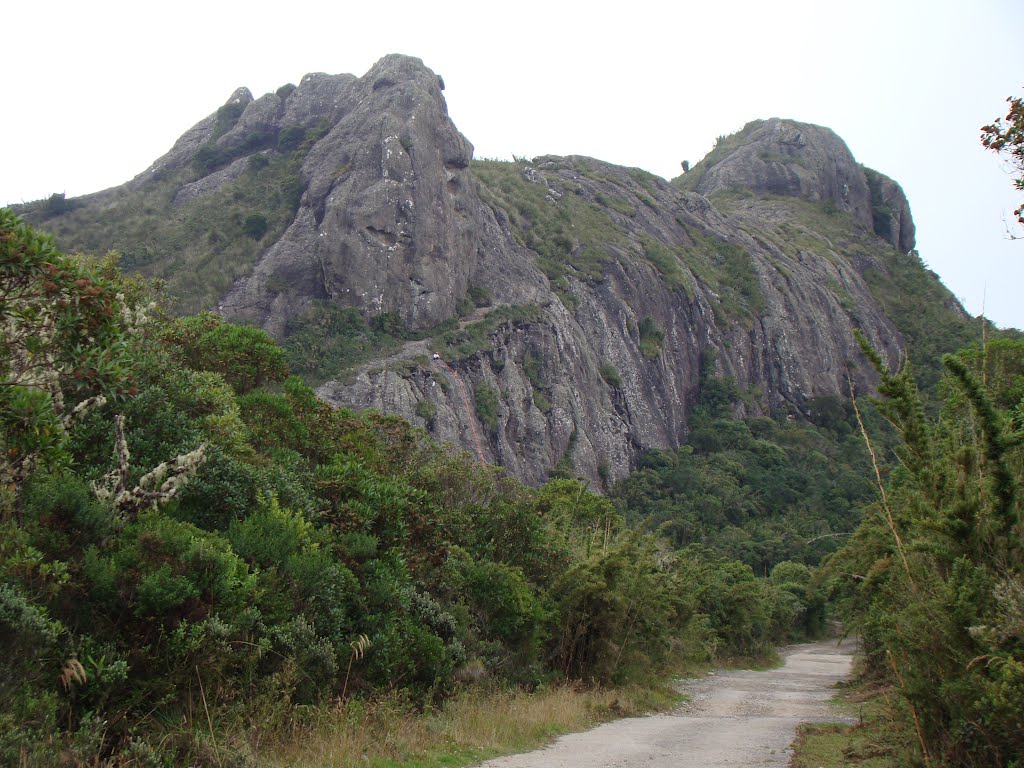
[611, 296]
[387, 222]
[576, 383]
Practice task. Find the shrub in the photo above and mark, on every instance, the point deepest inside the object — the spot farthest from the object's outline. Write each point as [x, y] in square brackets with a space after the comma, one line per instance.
[487, 408]
[57, 203]
[480, 296]
[426, 410]
[247, 357]
[255, 226]
[611, 375]
[208, 158]
[290, 138]
[651, 338]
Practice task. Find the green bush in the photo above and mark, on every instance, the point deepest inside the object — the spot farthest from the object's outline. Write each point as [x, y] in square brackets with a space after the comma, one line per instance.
[932, 580]
[611, 375]
[247, 357]
[651, 338]
[618, 612]
[426, 410]
[255, 226]
[481, 297]
[487, 407]
[310, 528]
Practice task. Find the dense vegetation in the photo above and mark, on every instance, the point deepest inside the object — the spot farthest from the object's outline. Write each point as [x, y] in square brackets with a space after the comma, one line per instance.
[196, 553]
[933, 580]
[189, 541]
[754, 490]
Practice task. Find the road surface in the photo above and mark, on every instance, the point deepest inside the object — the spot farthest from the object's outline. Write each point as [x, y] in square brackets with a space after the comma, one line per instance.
[734, 719]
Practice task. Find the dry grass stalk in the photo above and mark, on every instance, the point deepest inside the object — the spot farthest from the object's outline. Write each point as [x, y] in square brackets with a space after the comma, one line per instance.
[881, 486]
[359, 647]
[209, 721]
[73, 672]
[476, 724]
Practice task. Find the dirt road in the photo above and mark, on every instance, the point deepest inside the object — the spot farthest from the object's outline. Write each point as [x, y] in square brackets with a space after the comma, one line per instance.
[735, 719]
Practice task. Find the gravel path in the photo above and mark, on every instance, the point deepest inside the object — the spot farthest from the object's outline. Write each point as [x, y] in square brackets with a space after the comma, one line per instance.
[734, 719]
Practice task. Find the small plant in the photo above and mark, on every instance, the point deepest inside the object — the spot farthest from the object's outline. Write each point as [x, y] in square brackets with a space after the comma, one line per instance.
[487, 406]
[542, 403]
[651, 338]
[255, 226]
[290, 138]
[208, 157]
[480, 297]
[611, 375]
[426, 410]
[57, 203]
[531, 367]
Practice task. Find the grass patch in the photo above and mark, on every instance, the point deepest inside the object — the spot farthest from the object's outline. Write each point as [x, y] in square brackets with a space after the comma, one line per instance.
[487, 406]
[651, 338]
[473, 337]
[570, 234]
[473, 726]
[199, 247]
[610, 374]
[326, 339]
[877, 740]
[426, 410]
[668, 262]
[730, 272]
[617, 204]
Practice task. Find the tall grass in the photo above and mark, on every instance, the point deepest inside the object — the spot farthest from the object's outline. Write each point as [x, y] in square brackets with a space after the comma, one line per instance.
[473, 726]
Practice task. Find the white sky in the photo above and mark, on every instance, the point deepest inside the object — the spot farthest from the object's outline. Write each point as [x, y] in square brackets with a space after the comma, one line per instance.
[95, 91]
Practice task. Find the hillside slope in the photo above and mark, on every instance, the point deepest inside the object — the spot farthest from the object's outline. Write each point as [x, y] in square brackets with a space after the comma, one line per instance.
[578, 307]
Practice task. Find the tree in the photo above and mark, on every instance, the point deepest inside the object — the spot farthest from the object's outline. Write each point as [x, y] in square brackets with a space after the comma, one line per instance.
[247, 357]
[1006, 137]
[64, 324]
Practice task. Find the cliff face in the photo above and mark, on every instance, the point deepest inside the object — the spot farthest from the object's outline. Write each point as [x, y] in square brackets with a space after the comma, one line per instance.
[387, 221]
[578, 307]
[652, 284]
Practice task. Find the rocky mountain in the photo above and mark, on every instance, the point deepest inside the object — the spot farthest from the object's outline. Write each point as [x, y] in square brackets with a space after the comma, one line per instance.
[579, 309]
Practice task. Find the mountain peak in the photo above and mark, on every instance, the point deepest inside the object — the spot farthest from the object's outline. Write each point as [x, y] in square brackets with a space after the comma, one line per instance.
[793, 159]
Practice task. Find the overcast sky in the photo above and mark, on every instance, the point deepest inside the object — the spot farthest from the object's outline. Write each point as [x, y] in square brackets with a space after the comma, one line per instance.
[95, 91]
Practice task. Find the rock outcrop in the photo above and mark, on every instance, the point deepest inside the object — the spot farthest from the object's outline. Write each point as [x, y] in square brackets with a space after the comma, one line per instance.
[386, 222]
[784, 157]
[606, 298]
